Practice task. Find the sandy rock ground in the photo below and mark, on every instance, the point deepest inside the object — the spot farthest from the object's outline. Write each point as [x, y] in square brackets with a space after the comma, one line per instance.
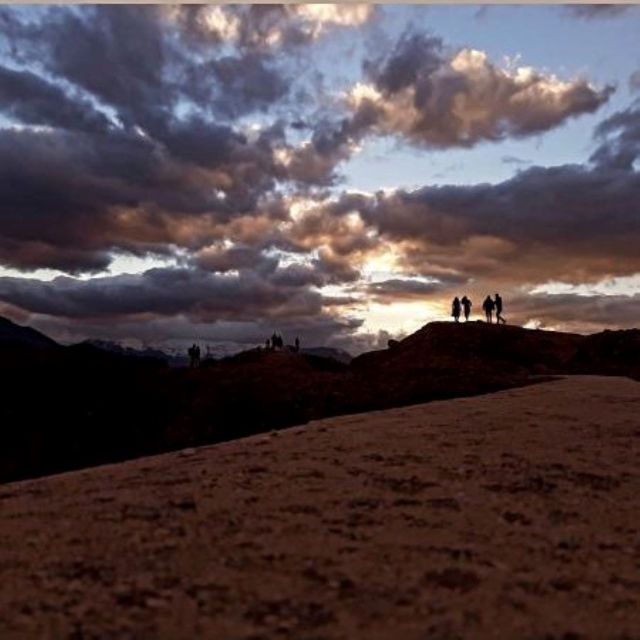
[511, 515]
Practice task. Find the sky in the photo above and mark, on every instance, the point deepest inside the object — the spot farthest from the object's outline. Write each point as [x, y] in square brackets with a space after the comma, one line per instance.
[171, 174]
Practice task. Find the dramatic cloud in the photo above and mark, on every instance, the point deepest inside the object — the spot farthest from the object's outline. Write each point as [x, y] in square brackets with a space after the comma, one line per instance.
[438, 99]
[580, 313]
[68, 198]
[166, 292]
[32, 100]
[269, 26]
[570, 222]
[217, 139]
[620, 140]
[403, 288]
[131, 150]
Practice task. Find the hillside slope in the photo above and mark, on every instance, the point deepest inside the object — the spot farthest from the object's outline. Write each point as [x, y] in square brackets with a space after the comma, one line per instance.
[71, 407]
[510, 515]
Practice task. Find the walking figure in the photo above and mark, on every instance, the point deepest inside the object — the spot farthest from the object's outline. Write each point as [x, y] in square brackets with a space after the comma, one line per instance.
[297, 344]
[488, 306]
[498, 303]
[455, 309]
[466, 307]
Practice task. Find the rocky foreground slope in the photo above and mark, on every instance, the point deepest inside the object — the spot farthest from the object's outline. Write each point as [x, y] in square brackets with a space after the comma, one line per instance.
[508, 515]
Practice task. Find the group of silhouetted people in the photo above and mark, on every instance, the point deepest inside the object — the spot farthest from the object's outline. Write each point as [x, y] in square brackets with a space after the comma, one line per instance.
[465, 305]
[488, 306]
[276, 343]
[194, 356]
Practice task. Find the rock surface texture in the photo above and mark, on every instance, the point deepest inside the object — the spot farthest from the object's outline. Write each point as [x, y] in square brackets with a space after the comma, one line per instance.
[509, 515]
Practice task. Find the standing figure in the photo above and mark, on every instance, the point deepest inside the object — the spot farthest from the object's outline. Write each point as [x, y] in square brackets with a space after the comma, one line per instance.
[498, 303]
[455, 309]
[194, 355]
[488, 305]
[297, 344]
[466, 307]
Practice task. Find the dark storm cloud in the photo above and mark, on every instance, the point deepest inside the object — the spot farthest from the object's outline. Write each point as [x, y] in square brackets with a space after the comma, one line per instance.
[155, 177]
[125, 57]
[569, 222]
[32, 100]
[71, 194]
[235, 85]
[415, 56]
[315, 162]
[235, 258]
[166, 292]
[403, 288]
[335, 269]
[619, 137]
[580, 313]
[437, 98]
[115, 53]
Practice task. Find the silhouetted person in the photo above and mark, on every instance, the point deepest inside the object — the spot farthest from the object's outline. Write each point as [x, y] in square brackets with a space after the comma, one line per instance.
[267, 344]
[194, 356]
[498, 303]
[297, 344]
[274, 340]
[488, 306]
[455, 309]
[466, 307]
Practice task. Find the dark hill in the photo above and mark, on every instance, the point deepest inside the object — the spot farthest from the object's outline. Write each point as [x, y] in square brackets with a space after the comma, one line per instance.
[68, 407]
[443, 360]
[330, 353]
[475, 347]
[12, 334]
[609, 353]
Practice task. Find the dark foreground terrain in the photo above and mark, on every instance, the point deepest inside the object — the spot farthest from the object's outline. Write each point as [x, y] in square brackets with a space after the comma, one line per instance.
[508, 515]
[71, 407]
